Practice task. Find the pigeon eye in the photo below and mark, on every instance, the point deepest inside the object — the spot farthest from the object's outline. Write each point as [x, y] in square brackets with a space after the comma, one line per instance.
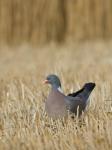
[48, 78]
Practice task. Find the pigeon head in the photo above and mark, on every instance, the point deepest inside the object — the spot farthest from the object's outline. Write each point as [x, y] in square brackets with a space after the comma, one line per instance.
[89, 86]
[53, 80]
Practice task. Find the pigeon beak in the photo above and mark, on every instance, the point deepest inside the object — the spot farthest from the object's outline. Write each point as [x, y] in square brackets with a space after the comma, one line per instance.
[45, 82]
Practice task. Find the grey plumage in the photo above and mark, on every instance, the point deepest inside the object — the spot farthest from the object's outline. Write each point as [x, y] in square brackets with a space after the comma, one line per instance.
[79, 98]
[57, 103]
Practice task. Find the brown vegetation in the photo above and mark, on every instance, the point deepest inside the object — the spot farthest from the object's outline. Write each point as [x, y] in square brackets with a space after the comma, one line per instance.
[42, 21]
[23, 123]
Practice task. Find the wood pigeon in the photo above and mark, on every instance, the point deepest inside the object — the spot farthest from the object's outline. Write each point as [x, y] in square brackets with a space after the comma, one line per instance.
[57, 104]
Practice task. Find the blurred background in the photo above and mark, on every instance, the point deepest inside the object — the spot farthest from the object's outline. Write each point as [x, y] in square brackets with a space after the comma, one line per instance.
[43, 36]
[39, 22]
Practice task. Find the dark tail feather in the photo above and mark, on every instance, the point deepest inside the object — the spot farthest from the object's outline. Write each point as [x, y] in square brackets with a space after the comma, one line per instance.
[89, 86]
[76, 93]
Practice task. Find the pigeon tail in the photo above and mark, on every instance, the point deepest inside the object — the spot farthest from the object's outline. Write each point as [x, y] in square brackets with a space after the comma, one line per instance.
[87, 88]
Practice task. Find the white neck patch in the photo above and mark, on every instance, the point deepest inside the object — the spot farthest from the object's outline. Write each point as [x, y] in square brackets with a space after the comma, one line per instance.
[60, 90]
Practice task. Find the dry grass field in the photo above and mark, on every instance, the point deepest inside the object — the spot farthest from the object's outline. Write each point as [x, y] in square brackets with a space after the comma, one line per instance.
[23, 122]
[43, 21]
